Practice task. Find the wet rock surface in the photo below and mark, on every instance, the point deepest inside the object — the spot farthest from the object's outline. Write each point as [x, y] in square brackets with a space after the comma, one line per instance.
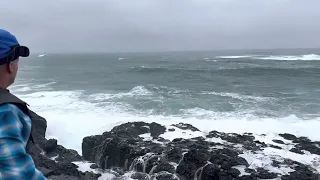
[213, 155]
[52, 159]
[138, 150]
[184, 126]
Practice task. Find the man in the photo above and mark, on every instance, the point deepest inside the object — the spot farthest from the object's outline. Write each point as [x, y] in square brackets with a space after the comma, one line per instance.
[15, 122]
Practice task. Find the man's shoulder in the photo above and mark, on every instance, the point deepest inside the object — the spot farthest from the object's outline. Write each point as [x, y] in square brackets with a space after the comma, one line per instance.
[9, 108]
[10, 118]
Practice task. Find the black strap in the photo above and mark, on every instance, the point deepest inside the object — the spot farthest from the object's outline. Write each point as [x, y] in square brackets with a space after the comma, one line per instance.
[7, 98]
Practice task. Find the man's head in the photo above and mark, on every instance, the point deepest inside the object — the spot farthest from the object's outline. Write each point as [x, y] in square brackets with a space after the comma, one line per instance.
[10, 51]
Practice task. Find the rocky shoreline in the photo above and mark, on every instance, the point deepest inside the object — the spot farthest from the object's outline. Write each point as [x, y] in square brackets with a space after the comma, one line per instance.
[140, 150]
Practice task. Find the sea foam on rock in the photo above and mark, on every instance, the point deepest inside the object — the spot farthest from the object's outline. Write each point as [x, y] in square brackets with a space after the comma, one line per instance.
[52, 159]
[140, 150]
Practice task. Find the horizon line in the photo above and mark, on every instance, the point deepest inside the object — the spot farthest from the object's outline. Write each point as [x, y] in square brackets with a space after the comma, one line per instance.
[171, 51]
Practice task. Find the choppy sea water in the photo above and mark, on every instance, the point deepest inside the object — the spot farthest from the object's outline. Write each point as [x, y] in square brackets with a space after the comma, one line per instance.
[237, 91]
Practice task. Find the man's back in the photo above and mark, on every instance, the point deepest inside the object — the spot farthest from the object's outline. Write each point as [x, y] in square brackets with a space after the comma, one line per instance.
[15, 128]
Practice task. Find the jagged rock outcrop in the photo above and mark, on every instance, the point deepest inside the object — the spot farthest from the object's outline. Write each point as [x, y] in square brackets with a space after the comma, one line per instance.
[140, 147]
[52, 159]
[140, 150]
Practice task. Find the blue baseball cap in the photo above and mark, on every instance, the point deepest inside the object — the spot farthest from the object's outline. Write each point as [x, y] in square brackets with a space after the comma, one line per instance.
[10, 48]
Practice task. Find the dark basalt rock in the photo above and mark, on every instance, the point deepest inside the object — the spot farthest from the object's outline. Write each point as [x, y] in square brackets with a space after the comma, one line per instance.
[246, 177]
[264, 174]
[89, 176]
[114, 152]
[295, 150]
[276, 163]
[140, 176]
[94, 166]
[174, 155]
[122, 150]
[232, 138]
[210, 171]
[65, 169]
[273, 146]
[301, 174]
[226, 162]
[191, 161]
[303, 143]
[42, 150]
[156, 130]
[278, 141]
[303, 140]
[184, 126]
[164, 167]
[164, 176]
[88, 144]
[133, 129]
[227, 158]
[67, 155]
[288, 136]
[248, 170]
[247, 141]
[63, 177]
[151, 162]
[51, 145]
[39, 129]
[302, 171]
[313, 148]
[213, 171]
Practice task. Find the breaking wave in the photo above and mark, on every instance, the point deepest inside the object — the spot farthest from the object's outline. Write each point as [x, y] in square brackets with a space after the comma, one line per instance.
[235, 57]
[240, 96]
[65, 109]
[306, 57]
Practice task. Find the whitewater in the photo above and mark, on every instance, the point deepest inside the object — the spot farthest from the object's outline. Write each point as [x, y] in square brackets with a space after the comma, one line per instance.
[70, 118]
[305, 57]
[248, 92]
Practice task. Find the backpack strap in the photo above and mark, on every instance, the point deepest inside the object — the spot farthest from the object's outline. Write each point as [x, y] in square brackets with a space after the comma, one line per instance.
[7, 98]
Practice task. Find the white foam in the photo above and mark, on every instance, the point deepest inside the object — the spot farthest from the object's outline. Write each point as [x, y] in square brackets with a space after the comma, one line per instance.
[54, 157]
[42, 55]
[307, 57]
[136, 91]
[234, 57]
[71, 118]
[180, 133]
[265, 159]
[22, 89]
[30, 87]
[240, 96]
[241, 168]
[146, 137]
[269, 137]
[84, 166]
[308, 159]
[212, 60]
[106, 176]
[216, 140]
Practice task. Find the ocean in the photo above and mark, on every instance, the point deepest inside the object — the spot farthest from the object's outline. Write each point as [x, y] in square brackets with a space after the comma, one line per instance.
[257, 91]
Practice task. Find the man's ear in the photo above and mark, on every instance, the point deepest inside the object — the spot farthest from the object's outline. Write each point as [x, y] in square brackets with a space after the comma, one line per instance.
[10, 67]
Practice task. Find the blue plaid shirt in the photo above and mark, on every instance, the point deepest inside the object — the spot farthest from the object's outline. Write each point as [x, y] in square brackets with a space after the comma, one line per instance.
[15, 129]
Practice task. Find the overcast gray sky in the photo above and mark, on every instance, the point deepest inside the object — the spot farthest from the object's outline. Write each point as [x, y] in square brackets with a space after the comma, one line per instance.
[160, 25]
